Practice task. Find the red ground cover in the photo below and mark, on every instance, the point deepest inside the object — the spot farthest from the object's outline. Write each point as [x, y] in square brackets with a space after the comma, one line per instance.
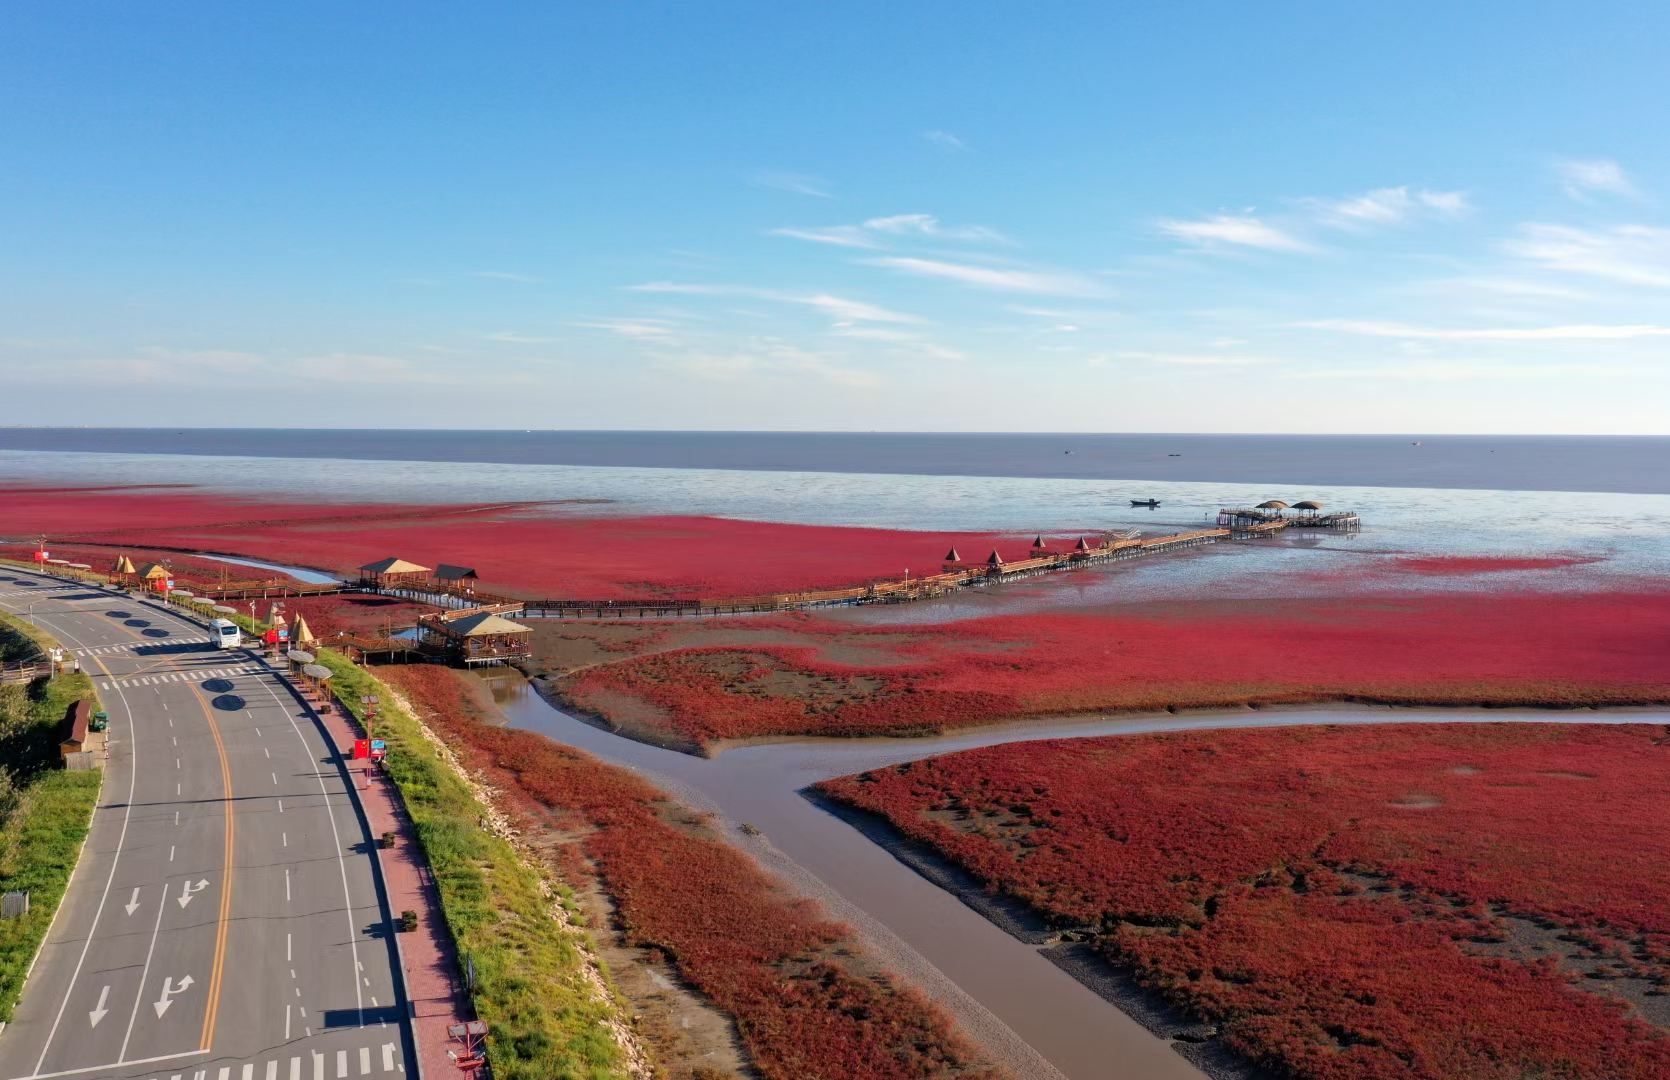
[1440, 649]
[772, 961]
[353, 613]
[521, 549]
[188, 569]
[1466, 565]
[1345, 903]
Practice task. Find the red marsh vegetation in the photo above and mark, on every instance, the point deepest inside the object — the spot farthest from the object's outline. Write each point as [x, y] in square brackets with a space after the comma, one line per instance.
[526, 549]
[1468, 565]
[1401, 901]
[1557, 650]
[805, 1002]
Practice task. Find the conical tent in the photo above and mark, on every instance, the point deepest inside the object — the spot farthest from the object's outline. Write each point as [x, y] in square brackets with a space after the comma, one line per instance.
[1037, 543]
[994, 559]
[952, 556]
[1082, 545]
[124, 565]
[302, 634]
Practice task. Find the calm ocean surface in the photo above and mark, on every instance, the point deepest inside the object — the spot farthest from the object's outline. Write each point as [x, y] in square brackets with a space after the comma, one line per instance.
[1446, 496]
[1522, 463]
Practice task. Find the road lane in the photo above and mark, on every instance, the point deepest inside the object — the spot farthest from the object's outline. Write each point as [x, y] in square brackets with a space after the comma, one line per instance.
[240, 810]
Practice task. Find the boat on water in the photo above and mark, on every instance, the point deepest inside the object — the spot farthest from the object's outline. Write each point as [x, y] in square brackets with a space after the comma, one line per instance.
[1152, 504]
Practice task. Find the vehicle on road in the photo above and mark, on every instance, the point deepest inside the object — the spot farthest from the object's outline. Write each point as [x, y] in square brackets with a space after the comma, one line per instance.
[226, 634]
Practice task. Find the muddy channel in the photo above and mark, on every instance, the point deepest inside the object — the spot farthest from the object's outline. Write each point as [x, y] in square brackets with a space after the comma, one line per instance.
[992, 968]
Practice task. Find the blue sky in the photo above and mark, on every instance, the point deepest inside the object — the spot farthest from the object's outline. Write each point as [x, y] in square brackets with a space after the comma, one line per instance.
[864, 216]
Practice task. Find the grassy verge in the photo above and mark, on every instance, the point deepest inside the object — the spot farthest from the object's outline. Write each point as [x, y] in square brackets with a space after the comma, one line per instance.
[45, 812]
[543, 1020]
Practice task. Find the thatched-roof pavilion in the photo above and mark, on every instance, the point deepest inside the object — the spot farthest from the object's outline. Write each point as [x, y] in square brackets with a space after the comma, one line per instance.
[480, 637]
[1272, 504]
[301, 633]
[393, 571]
[123, 567]
[1307, 504]
[463, 578]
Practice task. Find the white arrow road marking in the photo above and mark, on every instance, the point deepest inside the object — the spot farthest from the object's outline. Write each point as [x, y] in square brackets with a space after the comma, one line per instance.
[133, 901]
[168, 991]
[188, 890]
[95, 1015]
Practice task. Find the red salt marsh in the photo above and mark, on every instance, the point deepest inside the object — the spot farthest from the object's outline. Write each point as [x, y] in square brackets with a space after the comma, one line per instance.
[523, 548]
[1559, 650]
[1355, 903]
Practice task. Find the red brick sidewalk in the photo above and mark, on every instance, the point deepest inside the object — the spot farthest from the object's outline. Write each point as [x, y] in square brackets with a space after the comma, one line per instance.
[426, 954]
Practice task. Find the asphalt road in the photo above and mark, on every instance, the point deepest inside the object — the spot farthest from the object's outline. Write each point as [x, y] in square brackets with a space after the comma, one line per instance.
[225, 921]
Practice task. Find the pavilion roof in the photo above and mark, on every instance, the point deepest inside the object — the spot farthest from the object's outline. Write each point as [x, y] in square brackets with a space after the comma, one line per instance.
[124, 565]
[485, 623]
[449, 572]
[393, 565]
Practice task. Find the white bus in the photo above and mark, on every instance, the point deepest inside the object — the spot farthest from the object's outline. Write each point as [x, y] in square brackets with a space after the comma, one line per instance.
[226, 634]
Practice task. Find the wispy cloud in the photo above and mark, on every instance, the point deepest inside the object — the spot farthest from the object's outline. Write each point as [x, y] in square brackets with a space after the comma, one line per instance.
[1430, 371]
[1234, 230]
[944, 140]
[511, 337]
[1576, 332]
[656, 330]
[1002, 279]
[774, 360]
[929, 226]
[849, 236]
[904, 340]
[1389, 206]
[506, 275]
[870, 234]
[1634, 254]
[1582, 180]
[1511, 287]
[795, 183]
[839, 307]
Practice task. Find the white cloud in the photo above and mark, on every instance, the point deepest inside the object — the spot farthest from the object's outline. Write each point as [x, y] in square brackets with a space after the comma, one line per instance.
[1534, 290]
[1390, 206]
[1580, 332]
[998, 278]
[1450, 371]
[1634, 254]
[1582, 179]
[929, 226]
[771, 360]
[839, 307]
[659, 330]
[794, 183]
[906, 341]
[853, 310]
[944, 140]
[869, 234]
[1237, 230]
[838, 235]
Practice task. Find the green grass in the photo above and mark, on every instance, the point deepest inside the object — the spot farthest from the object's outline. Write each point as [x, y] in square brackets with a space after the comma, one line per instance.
[543, 1022]
[45, 812]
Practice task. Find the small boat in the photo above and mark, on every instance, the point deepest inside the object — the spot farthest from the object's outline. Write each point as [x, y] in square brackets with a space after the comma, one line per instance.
[1150, 503]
